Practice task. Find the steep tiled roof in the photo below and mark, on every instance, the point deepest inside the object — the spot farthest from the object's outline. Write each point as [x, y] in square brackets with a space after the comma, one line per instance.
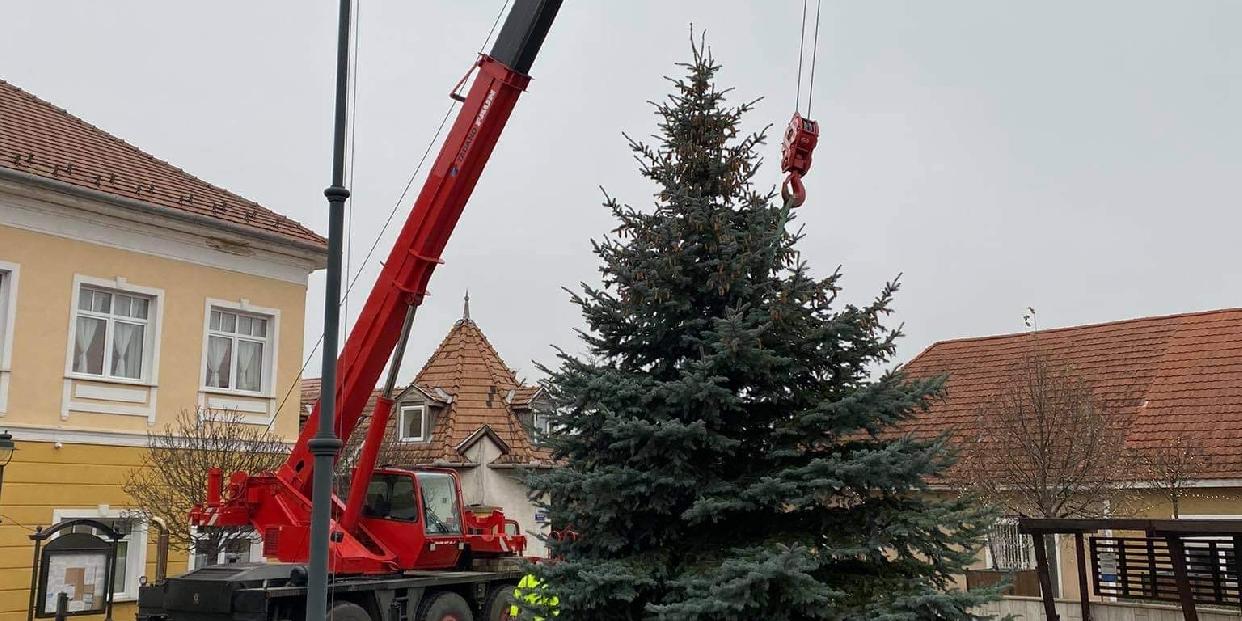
[523, 395]
[1165, 376]
[41, 139]
[467, 368]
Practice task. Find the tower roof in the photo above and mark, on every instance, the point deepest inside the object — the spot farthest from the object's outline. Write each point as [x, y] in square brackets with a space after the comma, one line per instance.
[481, 391]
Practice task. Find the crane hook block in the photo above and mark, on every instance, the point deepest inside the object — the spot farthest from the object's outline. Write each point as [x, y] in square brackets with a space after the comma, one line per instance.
[800, 139]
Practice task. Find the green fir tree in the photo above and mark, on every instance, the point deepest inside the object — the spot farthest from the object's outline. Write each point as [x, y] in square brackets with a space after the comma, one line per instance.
[723, 440]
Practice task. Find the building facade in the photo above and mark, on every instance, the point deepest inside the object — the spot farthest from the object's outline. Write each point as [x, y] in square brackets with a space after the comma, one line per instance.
[1167, 382]
[129, 291]
[467, 410]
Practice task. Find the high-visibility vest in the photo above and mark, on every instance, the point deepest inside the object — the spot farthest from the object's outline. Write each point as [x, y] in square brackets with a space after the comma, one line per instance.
[527, 591]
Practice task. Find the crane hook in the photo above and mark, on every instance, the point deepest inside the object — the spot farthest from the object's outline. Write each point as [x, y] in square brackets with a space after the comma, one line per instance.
[800, 139]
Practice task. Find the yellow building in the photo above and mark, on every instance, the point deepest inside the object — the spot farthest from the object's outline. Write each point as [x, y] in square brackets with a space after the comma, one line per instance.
[129, 292]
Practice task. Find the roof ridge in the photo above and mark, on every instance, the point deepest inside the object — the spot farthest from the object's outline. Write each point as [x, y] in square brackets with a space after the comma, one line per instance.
[969, 339]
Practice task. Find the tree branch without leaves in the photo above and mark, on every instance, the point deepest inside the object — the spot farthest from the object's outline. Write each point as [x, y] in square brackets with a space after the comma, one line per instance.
[1048, 446]
[1170, 468]
[173, 476]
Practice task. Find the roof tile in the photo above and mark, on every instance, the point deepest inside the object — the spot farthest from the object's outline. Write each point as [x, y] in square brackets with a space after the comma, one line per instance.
[1167, 376]
[41, 139]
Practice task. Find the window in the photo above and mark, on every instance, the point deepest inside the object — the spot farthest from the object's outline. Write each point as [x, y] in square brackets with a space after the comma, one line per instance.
[543, 424]
[414, 424]
[439, 496]
[240, 548]
[391, 496]
[111, 331]
[1007, 548]
[130, 551]
[238, 350]
[5, 284]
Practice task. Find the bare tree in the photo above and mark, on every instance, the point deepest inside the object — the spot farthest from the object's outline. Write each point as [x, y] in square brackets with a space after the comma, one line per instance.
[1170, 467]
[1048, 445]
[172, 478]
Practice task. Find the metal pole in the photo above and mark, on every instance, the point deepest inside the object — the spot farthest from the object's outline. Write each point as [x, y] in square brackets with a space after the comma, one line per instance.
[35, 568]
[62, 606]
[325, 445]
[1177, 553]
[1040, 541]
[1084, 591]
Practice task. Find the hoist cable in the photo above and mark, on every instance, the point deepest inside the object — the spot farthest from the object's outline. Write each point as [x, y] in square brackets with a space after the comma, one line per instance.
[392, 213]
[495, 22]
[801, 47]
[379, 237]
[353, 141]
[810, 91]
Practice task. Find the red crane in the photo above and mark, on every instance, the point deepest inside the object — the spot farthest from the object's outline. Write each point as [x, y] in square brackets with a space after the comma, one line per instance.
[396, 519]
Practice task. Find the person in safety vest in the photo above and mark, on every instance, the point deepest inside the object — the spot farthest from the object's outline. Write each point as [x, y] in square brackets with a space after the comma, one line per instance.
[527, 591]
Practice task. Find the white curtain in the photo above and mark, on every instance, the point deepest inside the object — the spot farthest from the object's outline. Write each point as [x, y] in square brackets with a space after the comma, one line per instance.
[127, 350]
[217, 349]
[249, 365]
[87, 328]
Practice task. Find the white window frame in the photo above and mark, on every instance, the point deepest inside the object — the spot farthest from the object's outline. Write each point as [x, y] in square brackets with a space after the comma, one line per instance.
[541, 421]
[10, 278]
[422, 412]
[270, 347]
[151, 336]
[256, 552]
[136, 558]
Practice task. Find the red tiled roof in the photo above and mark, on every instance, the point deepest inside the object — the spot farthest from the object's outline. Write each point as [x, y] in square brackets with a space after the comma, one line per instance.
[41, 139]
[1167, 376]
[523, 395]
[467, 368]
[471, 373]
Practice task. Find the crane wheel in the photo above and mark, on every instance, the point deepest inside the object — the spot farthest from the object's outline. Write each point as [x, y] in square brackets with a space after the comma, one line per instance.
[499, 603]
[347, 611]
[444, 606]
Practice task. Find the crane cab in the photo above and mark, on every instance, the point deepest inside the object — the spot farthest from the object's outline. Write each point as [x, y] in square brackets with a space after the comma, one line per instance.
[421, 516]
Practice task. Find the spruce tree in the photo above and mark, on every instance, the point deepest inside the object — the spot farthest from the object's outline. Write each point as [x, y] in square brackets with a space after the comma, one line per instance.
[723, 441]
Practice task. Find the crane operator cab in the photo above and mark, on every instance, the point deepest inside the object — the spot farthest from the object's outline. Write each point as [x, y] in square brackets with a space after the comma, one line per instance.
[421, 511]
[393, 496]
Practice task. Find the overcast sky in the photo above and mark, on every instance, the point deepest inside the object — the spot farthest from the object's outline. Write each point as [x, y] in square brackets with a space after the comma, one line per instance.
[1083, 158]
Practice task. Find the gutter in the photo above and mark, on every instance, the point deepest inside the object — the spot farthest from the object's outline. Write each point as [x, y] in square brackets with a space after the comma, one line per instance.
[522, 466]
[315, 251]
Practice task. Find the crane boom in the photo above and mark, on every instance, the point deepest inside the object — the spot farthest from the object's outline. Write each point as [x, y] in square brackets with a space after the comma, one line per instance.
[402, 283]
[378, 531]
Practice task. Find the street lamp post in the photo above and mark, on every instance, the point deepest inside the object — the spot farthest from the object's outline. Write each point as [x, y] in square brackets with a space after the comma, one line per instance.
[7, 447]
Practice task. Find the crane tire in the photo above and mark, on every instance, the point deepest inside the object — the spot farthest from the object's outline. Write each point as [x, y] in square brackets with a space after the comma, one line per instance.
[499, 600]
[444, 606]
[348, 611]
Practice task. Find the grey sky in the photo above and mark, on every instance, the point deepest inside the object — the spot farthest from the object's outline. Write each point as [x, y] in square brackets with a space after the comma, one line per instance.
[1081, 158]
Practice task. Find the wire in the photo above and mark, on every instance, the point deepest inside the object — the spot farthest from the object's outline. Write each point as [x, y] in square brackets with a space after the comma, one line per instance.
[801, 47]
[810, 91]
[495, 22]
[353, 141]
[391, 213]
[379, 237]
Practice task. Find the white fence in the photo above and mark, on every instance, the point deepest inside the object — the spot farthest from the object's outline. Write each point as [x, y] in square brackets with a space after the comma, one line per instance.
[1032, 609]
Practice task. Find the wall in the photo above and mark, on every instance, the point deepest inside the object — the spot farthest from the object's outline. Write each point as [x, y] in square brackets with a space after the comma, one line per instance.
[39, 389]
[1032, 609]
[1207, 499]
[498, 486]
[43, 478]
[78, 439]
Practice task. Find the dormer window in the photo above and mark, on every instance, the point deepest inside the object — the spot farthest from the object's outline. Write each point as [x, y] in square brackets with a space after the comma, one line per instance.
[413, 425]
